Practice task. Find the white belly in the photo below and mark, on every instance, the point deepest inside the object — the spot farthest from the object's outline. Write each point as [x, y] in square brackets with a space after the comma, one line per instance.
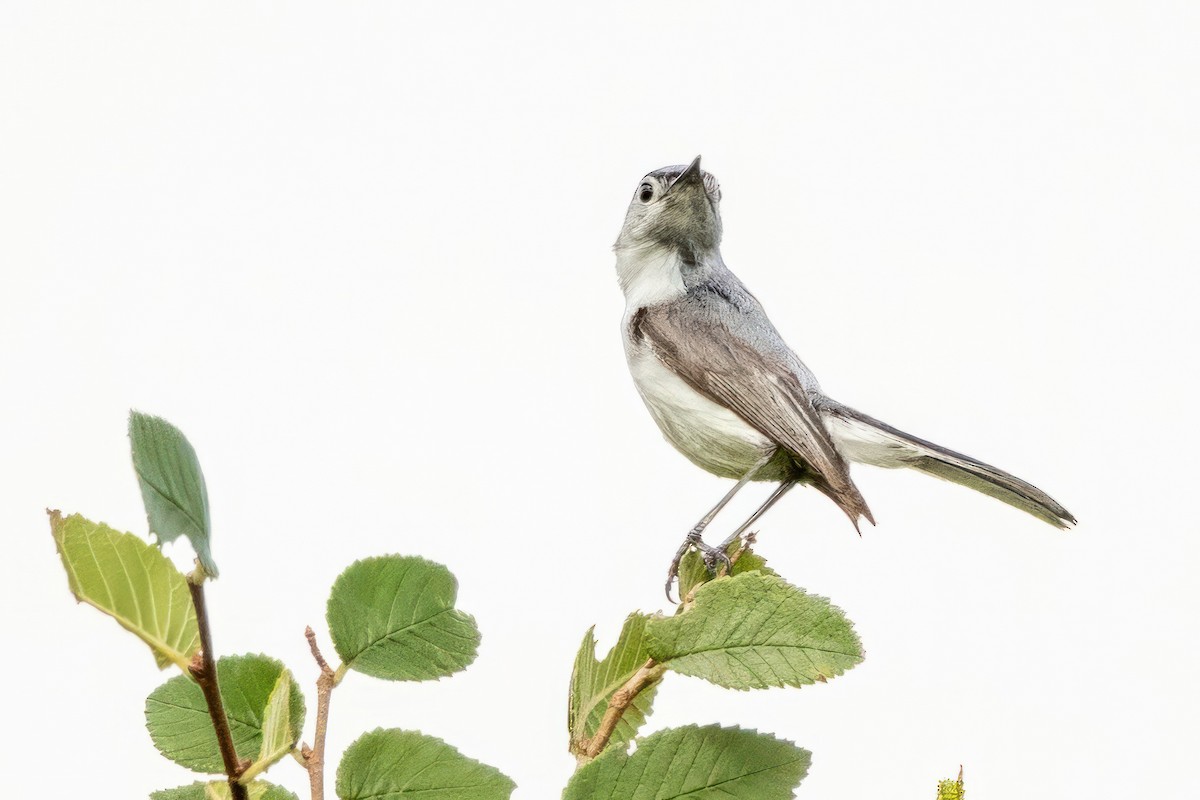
[712, 436]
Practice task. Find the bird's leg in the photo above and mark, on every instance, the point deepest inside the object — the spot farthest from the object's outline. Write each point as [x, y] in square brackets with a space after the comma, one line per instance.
[694, 537]
[711, 562]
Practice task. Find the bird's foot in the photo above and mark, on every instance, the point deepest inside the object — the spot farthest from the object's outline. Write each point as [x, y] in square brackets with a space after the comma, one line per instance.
[714, 558]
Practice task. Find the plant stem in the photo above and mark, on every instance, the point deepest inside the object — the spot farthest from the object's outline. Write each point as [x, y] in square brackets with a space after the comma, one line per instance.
[203, 670]
[314, 757]
[647, 675]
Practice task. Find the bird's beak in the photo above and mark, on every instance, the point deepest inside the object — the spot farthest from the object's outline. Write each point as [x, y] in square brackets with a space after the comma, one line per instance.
[691, 175]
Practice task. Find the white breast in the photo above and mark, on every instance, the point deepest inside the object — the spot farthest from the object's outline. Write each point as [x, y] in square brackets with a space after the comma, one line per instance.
[712, 436]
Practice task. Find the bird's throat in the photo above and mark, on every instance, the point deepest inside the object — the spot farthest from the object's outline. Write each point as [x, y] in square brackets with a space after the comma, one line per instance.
[650, 275]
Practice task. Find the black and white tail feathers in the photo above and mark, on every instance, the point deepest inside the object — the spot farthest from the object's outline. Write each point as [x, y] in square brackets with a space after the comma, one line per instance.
[867, 440]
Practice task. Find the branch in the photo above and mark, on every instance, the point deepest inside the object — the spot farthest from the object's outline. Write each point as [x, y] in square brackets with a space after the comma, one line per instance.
[744, 542]
[648, 674]
[314, 757]
[203, 670]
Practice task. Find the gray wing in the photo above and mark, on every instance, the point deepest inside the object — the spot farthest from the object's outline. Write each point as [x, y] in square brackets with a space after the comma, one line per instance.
[696, 339]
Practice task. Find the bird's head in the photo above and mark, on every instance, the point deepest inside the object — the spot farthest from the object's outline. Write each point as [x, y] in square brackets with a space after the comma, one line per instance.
[675, 208]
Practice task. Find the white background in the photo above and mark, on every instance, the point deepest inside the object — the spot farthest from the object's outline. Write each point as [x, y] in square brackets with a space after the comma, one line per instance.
[360, 254]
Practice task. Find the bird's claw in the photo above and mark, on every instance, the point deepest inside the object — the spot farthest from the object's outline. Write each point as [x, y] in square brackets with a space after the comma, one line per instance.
[713, 558]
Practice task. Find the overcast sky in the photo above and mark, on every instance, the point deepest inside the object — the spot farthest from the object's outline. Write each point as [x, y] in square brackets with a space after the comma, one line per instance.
[361, 254]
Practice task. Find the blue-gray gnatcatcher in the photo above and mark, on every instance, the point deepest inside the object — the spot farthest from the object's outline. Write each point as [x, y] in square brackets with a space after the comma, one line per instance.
[727, 391]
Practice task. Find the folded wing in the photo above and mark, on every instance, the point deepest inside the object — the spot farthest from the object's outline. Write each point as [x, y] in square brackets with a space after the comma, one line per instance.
[760, 387]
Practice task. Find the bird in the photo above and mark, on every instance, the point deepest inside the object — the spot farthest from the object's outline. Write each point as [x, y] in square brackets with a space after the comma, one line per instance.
[727, 391]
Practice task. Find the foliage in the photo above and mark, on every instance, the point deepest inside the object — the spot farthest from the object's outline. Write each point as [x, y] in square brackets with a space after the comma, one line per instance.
[695, 762]
[394, 617]
[219, 790]
[748, 630]
[593, 682]
[130, 581]
[399, 764]
[391, 617]
[177, 715]
[172, 484]
[751, 631]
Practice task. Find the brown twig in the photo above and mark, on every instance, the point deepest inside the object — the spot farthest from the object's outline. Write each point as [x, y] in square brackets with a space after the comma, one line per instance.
[314, 757]
[203, 670]
[747, 539]
[648, 674]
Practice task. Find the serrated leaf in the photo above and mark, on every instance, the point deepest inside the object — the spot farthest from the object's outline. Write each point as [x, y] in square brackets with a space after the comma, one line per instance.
[132, 582]
[752, 631]
[693, 572]
[393, 617]
[172, 484]
[594, 682]
[750, 561]
[699, 763]
[179, 724]
[277, 733]
[394, 764]
[219, 790]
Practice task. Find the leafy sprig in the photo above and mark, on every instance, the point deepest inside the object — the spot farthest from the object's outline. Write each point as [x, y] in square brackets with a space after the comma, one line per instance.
[391, 617]
[394, 617]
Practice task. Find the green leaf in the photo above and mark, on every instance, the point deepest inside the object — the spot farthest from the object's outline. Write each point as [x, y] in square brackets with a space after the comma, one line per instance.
[751, 631]
[952, 789]
[693, 572]
[393, 617]
[394, 764]
[172, 484]
[696, 763]
[178, 721]
[750, 561]
[132, 582]
[219, 790]
[278, 737]
[594, 682]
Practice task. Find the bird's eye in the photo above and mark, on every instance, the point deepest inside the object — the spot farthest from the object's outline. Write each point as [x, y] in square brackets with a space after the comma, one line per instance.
[645, 193]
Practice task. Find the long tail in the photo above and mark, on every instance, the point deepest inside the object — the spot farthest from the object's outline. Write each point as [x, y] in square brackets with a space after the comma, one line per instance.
[869, 441]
